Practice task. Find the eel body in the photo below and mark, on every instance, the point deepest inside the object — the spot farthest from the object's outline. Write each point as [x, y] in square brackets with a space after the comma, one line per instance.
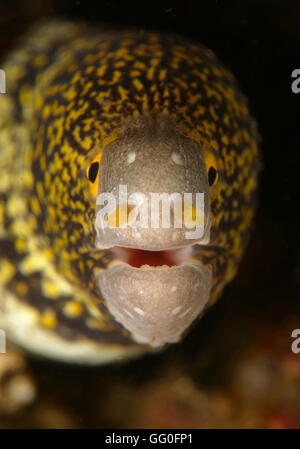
[133, 114]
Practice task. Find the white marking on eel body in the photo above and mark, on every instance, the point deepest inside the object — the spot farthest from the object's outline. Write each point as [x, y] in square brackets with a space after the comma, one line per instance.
[176, 310]
[185, 313]
[174, 288]
[128, 313]
[130, 157]
[176, 158]
[139, 311]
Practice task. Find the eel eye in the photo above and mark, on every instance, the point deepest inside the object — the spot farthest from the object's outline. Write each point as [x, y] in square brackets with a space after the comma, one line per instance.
[93, 171]
[212, 175]
[211, 167]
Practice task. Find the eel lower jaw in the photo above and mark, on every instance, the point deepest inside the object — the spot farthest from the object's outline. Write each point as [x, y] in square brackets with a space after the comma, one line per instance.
[155, 295]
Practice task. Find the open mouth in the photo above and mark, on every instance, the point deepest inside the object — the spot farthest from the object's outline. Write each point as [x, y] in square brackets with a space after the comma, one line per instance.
[142, 258]
[155, 295]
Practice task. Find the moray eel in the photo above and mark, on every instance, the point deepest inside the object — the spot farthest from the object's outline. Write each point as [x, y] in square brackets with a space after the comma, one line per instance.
[88, 111]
